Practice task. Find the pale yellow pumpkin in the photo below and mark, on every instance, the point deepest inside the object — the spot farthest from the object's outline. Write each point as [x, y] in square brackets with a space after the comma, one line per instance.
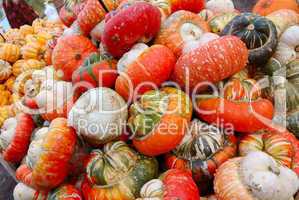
[14, 36]
[9, 52]
[26, 30]
[5, 70]
[32, 50]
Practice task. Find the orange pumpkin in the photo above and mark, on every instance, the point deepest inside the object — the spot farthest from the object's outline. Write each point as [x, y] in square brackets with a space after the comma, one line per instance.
[15, 137]
[213, 62]
[47, 166]
[32, 50]
[90, 16]
[265, 7]
[179, 28]
[158, 127]
[70, 53]
[26, 30]
[149, 64]
[25, 65]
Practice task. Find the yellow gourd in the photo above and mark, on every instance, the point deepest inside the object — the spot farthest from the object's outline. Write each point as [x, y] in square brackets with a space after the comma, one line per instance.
[9, 52]
[5, 96]
[9, 83]
[32, 50]
[26, 30]
[14, 36]
[5, 70]
[25, 65]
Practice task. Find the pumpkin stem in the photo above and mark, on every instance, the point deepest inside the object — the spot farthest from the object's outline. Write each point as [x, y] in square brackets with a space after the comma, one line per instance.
[250, 27]
[78, 56]
[297, 48]
[274, 170]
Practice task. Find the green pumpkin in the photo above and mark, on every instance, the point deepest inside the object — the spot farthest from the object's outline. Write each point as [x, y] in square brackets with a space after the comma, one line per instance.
[218, 23]
[258, 33]
[120, 166]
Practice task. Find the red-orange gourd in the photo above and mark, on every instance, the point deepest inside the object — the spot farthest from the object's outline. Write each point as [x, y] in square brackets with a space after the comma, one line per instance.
[265, 7]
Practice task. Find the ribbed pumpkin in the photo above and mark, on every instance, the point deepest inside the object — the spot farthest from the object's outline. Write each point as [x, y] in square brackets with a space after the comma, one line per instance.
[203, 149]
[14, 36]
[283, 19]
[158, 120]
[142, 67]
[90, 16]
[117, 173]
[97, 70]
[258, 33]
[69, 54]
[99, 115]
[179, 28]
[5, 70]
[25, 65]
[271, 143]
[9, 52]
[26, 30]
[63, 192]
[212, 62]
[140, 20]
[288, 46]
[15, 137]
[173, 184]
[243, 116]
[255, 176]
[265, 7]
[47, 161]
[32, 50]
[9, 83]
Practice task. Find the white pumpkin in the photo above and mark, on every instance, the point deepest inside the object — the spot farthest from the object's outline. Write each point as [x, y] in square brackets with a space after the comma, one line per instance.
[53, 95]
[256, 176]
[99, 115]
[152, 190]
[288, 46]
[220, 6]
[5, 70]
[23, 192]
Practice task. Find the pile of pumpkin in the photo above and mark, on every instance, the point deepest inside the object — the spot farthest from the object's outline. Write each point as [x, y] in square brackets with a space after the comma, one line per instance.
[23, 50]
[123, 110]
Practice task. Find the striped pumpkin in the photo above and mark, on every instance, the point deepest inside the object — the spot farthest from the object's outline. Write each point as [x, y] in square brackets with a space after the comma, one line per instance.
[9, 52]
[32, 50]
[26, 65]
[117, 173]
[203, 149]
[5, 70]
[168, 107]
[271, 143]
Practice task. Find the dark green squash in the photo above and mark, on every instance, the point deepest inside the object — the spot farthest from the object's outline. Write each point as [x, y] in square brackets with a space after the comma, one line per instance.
[258, 33]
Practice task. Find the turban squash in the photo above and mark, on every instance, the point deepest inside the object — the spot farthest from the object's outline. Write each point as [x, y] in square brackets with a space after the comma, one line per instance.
[179, 28]
[99, 115]
[142, 69]
[70, 52]
[140, 20]
[105, 180]
[238, 178]
[173, 184]
[47, 161]
[203, 149]
[158, 120]
[258, 33]
[212, 62]
[15, 137]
